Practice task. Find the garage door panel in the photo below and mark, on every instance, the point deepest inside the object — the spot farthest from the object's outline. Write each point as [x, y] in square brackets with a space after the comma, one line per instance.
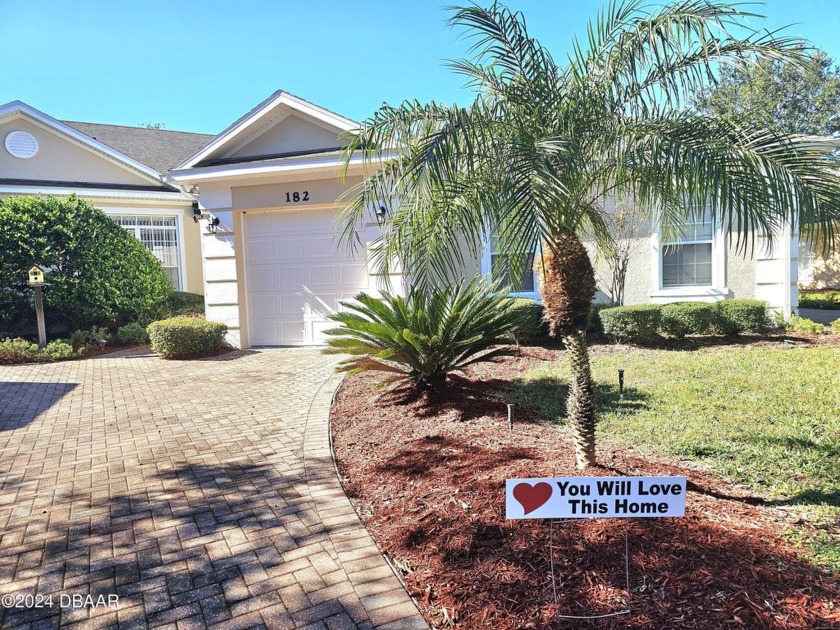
[297, 272]
[325, 247]
[353, 274]
[290, 333]
[323, 276]
[262, 251]
[291, 277]
[291, 304]
[262, 279]
[263, 306]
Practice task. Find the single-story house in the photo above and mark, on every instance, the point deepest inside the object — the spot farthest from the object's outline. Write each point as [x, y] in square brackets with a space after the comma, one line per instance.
[121, 170]
[269, 191]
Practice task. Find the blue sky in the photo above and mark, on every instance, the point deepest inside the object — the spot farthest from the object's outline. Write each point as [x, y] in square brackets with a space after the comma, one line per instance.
[197, 65]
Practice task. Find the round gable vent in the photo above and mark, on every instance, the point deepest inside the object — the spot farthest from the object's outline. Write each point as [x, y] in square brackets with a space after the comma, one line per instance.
[21, 144]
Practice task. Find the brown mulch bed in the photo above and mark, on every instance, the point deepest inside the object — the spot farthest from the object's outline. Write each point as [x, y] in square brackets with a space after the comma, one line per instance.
[427, 477]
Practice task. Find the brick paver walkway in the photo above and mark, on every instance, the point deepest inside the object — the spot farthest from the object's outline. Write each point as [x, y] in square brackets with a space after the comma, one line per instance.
[202, 493]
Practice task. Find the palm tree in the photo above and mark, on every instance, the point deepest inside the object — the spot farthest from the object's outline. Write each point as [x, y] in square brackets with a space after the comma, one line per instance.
[542, 147]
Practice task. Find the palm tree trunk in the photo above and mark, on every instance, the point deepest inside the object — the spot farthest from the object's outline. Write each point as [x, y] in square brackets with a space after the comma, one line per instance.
[580, 405]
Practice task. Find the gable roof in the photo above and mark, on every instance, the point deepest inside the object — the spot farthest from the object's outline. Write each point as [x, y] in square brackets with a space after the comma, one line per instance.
[210, 152]
[159, 149]
[19, 108]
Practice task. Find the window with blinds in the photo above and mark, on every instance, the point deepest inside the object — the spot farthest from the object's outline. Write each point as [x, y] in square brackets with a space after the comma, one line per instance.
[687, 259]
[160, 236]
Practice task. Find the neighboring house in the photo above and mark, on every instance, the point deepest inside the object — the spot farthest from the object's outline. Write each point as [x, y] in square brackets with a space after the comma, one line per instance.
[268, 256]
[274, 266]
[817, 271]
[122, 170]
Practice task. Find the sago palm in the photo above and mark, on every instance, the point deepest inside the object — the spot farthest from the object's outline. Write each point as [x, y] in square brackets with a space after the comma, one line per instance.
[543, 147]
[427, 334]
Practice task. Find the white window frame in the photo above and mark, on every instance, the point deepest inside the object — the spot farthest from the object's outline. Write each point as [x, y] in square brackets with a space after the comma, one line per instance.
[169, 213]
[487, 272]
[714, 292]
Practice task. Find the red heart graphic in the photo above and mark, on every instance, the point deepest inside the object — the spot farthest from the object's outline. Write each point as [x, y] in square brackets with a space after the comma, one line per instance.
[532, 497]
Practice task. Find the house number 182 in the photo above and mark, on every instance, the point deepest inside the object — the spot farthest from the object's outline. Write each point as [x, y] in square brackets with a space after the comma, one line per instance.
[294, 197]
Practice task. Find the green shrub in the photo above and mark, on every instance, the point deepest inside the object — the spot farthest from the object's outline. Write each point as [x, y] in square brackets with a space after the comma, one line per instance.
[534, 327]
[804, 325]
[98, 272]
[17, 351]
[631, 323]
[181, 302]
[180, 337]
[820, 299]
[175, 304]
[428, 334]
[733, 317]
[131, 334]
[56, 351]
[23, 351]
[686, 318]
[596, 326]
[835, 326]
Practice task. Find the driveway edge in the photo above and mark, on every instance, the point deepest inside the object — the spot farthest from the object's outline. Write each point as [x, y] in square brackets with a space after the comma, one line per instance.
[380, 591]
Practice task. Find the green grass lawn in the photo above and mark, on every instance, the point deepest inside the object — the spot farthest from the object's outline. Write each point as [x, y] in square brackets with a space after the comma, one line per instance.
[767, 417]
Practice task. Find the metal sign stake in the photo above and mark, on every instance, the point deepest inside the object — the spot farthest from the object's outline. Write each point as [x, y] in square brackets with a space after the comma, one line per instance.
[627, 610]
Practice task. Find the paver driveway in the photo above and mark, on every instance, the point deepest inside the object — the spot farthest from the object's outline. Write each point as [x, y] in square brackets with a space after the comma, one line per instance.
[201, 493]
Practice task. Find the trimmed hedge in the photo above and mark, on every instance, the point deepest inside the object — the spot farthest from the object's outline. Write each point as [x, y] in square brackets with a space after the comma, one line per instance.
[835, 326]
[131, 334]
[629, 323]
[733, 317]
[686, 318]
[534, 327]
[181, 337]
[820, 299]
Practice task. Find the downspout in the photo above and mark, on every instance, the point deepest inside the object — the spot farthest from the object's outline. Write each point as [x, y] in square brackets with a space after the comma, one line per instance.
[787, 302]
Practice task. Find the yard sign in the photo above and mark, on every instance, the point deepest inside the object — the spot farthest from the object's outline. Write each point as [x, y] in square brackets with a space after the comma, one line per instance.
[595, 497]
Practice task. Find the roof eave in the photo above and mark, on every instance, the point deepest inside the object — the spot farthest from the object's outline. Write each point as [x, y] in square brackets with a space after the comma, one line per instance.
[250, 170]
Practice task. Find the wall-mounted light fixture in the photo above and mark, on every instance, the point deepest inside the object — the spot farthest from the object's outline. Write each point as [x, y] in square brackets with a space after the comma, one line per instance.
[213, 225]
[196, 211]
[381, 215]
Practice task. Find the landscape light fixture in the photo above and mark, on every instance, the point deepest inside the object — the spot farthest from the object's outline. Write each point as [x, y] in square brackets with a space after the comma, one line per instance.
[381, 215]
[621, 384]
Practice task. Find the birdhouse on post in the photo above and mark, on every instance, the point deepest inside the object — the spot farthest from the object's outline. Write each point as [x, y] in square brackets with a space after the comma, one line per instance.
[36, 281]
[36, 276]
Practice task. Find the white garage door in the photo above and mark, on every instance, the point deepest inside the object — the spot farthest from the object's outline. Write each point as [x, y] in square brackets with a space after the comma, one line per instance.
[296, 273]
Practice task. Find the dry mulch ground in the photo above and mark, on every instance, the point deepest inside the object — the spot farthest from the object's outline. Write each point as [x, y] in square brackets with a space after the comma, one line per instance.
[427, 477]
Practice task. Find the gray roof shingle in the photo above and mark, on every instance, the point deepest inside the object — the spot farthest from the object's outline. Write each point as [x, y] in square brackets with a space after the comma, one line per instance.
[159, 149]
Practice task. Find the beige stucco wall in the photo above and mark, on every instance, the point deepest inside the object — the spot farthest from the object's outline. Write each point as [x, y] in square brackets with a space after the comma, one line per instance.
[290, 134]
[740, 273]
[61, 159]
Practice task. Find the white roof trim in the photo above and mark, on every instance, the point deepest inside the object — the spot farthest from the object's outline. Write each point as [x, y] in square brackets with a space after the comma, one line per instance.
[98, 192]
[262, 169]
[259, 114]
[19, 108]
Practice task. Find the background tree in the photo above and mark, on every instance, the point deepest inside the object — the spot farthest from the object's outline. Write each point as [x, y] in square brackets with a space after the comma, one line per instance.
[625, 223]
[542, 147]
[794, 97]
[99, 274]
